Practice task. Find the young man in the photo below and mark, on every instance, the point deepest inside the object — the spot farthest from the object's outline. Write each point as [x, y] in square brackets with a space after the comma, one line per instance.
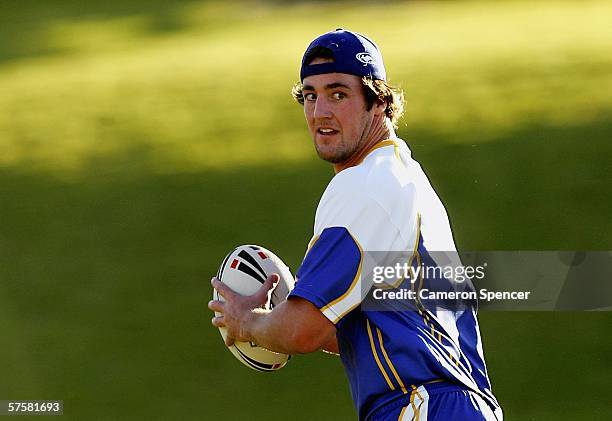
[417, 363]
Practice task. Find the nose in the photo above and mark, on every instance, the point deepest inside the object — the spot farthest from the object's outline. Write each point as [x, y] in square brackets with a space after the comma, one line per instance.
[321, 108]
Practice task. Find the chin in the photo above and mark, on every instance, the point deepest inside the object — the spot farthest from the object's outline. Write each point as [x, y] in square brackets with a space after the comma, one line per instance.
[332, 157]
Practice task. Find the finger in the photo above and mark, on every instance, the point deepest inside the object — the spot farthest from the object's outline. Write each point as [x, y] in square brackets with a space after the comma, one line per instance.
[262, 296]
[229, 340]
[217, 306]
[223, 290]
[218, 321]
[271, 282]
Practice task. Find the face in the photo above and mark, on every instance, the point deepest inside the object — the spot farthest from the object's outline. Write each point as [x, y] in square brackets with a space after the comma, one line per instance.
[335, 109]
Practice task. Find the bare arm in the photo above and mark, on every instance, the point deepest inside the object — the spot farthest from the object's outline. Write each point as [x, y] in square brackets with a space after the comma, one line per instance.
[331, 347]
[295, 326]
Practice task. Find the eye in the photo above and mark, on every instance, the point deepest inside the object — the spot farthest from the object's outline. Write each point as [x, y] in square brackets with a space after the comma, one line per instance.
[310, 96]
[338, 95]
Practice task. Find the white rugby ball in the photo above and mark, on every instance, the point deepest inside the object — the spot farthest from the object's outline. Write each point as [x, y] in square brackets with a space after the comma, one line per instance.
[244, 270]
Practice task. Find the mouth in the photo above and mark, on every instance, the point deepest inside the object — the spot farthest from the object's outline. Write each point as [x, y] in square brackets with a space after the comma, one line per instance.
[327, 131]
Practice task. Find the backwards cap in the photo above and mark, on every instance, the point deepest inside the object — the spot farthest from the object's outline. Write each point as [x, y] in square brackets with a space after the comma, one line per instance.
[353, 54]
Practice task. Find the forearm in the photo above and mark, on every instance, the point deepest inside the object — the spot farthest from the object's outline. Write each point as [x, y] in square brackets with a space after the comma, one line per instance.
[286, 329]
[266, 330]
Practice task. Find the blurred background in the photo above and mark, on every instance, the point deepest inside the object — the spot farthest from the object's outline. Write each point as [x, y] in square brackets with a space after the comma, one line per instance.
[141, 140]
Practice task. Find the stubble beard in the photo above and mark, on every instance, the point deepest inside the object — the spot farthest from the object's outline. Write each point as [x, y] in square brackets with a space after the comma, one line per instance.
[340, 155]
[342, 152]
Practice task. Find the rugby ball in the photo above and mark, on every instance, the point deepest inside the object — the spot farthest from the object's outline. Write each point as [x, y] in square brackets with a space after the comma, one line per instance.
[244, 270]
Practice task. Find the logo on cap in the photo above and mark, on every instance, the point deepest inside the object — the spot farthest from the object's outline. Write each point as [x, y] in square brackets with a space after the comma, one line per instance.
[365, 58]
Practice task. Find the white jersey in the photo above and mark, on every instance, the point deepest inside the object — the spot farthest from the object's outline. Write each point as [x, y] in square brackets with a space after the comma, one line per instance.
[386, 203]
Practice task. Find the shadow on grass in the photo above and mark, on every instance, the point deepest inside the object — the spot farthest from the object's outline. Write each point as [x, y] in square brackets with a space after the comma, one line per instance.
[535, 188]
[104, 280]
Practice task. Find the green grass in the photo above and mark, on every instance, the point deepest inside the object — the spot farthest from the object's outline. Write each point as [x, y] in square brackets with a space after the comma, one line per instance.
[211, 90]
[140, 141]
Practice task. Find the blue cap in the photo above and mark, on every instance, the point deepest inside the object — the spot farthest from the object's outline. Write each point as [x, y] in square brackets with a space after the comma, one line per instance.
[353, 54]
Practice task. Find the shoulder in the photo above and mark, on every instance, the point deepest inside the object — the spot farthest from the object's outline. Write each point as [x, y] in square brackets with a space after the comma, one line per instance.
[380, 171]
[383, 177]
[379, 184]
[347, 200]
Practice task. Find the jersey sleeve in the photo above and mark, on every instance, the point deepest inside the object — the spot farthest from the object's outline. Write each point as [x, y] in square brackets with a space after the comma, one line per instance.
[330, 276]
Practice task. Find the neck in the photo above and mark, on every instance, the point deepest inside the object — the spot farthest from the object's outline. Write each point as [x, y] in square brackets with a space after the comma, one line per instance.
[382, 129]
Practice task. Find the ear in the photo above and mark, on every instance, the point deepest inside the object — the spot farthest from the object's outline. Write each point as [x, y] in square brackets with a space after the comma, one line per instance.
[380, 107]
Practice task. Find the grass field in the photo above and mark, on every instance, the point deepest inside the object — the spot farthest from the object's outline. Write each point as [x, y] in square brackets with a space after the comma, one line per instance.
[140, 141]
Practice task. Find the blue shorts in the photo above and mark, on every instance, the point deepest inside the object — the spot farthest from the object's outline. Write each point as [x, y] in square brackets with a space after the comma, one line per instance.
[437, 401]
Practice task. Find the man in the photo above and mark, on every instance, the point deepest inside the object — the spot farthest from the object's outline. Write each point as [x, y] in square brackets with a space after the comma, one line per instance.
[416, 363]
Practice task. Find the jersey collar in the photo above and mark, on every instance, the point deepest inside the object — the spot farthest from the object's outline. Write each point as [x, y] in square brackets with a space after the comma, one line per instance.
[381, 144]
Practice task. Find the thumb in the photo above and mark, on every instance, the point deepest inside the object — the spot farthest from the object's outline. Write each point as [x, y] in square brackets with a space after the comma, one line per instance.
[263, 295]
[271, 282]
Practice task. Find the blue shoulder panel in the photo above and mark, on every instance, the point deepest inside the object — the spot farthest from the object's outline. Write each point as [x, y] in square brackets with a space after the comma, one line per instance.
[329, 268]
